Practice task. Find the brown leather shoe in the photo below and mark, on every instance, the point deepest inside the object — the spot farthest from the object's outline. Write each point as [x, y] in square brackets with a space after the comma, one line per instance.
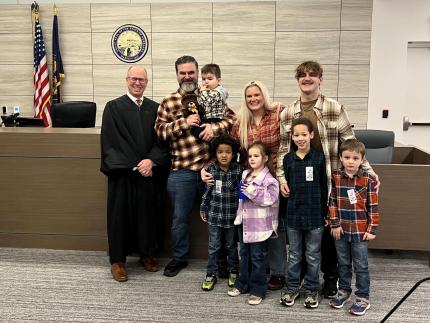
[150, 264]
[119, 272]
[276, 282]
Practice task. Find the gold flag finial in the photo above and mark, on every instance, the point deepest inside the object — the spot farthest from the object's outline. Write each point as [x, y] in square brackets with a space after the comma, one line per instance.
[55, 10]
[35, 7]
[35, 10]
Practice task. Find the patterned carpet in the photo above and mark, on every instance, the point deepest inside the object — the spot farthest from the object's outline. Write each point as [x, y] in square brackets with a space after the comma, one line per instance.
[76, 286]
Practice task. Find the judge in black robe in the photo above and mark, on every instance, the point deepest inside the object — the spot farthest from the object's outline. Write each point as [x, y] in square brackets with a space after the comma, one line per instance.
[133, 159]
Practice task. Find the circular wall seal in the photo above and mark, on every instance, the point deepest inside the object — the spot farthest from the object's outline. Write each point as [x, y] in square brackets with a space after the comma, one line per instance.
[129, 43]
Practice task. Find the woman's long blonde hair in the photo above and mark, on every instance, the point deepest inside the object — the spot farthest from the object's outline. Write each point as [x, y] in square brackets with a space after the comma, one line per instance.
[245, 115]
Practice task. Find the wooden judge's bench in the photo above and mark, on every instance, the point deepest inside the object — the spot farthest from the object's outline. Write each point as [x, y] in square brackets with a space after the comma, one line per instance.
[54, 196]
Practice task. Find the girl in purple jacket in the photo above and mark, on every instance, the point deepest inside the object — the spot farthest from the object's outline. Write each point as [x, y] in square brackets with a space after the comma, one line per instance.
[257, 221]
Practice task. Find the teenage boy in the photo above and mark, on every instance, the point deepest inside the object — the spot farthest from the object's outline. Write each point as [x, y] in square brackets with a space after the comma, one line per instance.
[331, 126]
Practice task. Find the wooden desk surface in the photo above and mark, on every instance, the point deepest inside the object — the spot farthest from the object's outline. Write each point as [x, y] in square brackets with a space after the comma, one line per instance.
[50, 142]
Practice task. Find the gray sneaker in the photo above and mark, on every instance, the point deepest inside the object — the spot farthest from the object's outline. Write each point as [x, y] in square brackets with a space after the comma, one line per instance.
[340, 299]
[288, 298]
[312, 299]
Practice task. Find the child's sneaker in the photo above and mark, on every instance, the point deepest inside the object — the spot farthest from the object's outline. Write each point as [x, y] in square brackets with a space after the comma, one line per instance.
[340, 299]
[233, 292]
[209, 283]
[288, 298]
[231, 279]
[312, 299]
[360, 306]
[254, 299]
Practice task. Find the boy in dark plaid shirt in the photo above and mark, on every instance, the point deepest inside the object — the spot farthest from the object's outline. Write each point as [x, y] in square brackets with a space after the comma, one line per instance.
[354, 217]
[219, 207]
[305, 172]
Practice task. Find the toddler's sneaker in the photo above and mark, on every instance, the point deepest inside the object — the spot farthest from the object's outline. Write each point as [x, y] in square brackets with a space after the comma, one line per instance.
[312, 299]
[254, 299]
[209, 282]
[231, 279]
[340, 299]
[360, 306]
[288, 298]
[233, 292]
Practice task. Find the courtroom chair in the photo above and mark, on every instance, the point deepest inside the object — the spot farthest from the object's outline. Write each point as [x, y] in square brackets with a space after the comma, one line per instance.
[379, 145]
[74, 114]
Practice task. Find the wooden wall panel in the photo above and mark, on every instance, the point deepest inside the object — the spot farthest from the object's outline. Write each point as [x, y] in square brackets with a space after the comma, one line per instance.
[357, 14]
[254, 17]
[15, 19]
[16, 49]
[296, 47]
[72, 17]
[249, 40]
[353, 81]
[16, 80]
[165, 48]
[78, 46]
[234, 79]
[78, 80]
[243, 48]
[106, 18]
[309, 15]
[350, 53]
[181, 19]
[357, 111]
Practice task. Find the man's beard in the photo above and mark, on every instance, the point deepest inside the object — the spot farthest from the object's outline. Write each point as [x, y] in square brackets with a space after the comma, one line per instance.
[188, 86]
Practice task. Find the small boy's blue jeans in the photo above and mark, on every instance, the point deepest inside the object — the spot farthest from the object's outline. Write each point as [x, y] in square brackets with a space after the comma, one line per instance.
[312, 240]
[353, 253]
[214, 245]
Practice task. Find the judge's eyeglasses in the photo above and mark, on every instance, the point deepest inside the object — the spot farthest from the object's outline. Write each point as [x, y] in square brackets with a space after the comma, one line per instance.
[137, 79]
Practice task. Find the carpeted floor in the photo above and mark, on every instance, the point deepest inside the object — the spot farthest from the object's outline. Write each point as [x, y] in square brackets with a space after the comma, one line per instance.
[76, 286]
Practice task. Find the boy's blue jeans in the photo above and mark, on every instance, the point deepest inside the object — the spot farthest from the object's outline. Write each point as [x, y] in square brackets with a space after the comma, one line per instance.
[214, 246]
[312, 239]
[183, 187]
[253, 264]
[349, 253]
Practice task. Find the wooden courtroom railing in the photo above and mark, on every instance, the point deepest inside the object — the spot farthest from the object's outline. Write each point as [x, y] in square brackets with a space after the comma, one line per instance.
[54, 196]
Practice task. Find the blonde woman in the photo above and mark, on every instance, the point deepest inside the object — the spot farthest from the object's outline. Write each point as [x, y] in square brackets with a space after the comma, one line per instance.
[258, 120]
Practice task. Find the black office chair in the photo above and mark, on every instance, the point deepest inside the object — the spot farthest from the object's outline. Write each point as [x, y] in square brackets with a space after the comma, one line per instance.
[74, 114]
[379, 145]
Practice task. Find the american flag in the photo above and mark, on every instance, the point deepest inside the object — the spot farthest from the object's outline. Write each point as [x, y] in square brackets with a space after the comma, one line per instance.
[42, 92]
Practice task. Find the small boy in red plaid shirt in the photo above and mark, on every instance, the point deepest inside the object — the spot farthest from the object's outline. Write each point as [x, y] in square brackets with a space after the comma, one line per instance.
[354, 217]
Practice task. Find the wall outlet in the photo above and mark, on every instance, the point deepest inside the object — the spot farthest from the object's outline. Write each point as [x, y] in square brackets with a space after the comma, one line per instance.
[385, 113]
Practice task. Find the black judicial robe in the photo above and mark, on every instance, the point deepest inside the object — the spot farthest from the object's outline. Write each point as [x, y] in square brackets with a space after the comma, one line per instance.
[127, 137]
